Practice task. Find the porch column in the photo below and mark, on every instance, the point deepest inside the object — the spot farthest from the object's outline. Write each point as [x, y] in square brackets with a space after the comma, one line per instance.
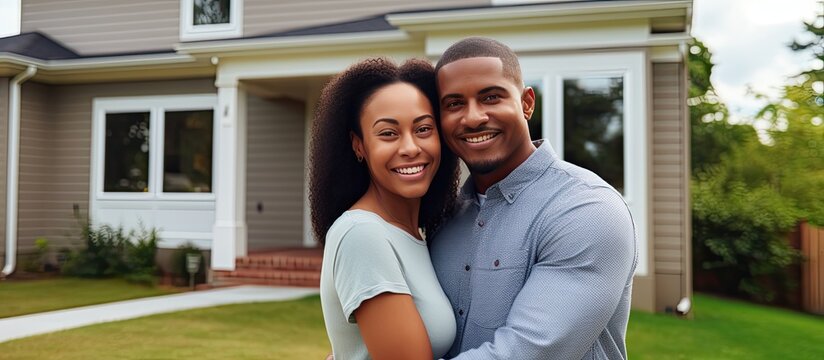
[229, 233]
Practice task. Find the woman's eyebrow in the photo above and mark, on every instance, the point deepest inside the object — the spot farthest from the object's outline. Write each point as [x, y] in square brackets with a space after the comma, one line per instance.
[389, 120]
[422, 118]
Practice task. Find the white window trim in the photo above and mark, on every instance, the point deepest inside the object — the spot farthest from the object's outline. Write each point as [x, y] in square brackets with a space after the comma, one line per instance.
[631, 65]
[156, 106]
[191, 32]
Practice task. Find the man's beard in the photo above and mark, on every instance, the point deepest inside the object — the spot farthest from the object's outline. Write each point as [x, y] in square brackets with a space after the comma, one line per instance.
[483, 167]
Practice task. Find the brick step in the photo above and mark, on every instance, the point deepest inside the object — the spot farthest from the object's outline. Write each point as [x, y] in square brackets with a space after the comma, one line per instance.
[283, 281]
[279, 262]
[270, 277]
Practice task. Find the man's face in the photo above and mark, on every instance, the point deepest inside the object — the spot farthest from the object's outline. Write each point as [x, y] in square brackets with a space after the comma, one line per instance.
[484, 115]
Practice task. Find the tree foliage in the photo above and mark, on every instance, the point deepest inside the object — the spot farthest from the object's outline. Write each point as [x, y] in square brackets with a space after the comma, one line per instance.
[748, 194]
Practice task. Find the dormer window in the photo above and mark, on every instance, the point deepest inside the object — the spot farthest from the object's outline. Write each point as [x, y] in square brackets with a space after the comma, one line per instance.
[210, 19]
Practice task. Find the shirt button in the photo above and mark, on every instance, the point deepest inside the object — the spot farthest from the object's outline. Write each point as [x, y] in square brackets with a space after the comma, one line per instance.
[481, 223]
[460, 312]
[497, 262]
[466, 268]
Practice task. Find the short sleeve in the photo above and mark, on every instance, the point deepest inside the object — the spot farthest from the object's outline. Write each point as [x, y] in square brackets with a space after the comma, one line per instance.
[366, 265]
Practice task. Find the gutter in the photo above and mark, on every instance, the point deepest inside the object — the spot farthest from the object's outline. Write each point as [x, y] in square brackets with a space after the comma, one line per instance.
[13, 169]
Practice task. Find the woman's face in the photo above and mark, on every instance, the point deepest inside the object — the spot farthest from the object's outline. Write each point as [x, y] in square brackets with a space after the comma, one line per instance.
[400, 141]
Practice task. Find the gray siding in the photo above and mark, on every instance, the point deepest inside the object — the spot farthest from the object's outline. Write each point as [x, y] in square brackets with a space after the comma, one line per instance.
[266, 16]
[56, 141]
[106, 26]
[670, 183]
[4, 113]
[274, 173]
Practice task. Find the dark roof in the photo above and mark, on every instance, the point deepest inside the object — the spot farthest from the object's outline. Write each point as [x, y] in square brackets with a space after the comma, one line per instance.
[375, 23]
[36, 45]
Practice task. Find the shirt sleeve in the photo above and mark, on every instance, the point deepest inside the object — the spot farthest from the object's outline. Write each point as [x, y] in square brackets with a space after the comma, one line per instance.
[366, 265]
[583, 267]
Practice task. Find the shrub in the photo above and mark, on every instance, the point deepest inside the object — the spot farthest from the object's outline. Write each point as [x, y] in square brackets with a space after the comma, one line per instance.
[111, 252]
[740, 233]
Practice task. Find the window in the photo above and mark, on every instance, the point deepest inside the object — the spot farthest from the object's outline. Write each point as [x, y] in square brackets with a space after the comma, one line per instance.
[155, 147]
[187, 151]
[126, 166]
[210, 19]
[594, 126]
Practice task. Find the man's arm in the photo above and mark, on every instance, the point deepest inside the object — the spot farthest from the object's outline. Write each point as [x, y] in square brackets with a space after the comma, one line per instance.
[573, 289]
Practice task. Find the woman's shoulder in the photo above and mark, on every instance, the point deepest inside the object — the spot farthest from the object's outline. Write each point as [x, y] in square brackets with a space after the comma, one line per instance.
[357, 224]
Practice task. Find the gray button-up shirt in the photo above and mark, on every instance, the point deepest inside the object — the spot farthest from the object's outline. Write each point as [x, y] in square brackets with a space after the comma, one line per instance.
[543, 269]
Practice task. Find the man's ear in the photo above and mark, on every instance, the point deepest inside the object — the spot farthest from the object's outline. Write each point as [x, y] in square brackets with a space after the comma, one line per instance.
[528, 102]
[357, 146]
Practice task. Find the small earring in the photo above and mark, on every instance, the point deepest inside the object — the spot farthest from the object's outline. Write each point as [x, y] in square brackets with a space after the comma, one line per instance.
[360, 158]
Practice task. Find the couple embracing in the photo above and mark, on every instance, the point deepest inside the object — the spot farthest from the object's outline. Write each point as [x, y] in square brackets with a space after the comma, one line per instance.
[531, 259]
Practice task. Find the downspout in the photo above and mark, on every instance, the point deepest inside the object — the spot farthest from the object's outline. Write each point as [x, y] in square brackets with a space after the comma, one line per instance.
[13, 167]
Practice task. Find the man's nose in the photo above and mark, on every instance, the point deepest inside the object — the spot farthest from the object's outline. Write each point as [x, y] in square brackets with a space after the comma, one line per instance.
[475, 115]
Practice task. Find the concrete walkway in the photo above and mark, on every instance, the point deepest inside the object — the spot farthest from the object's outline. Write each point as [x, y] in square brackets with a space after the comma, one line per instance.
[42, 323]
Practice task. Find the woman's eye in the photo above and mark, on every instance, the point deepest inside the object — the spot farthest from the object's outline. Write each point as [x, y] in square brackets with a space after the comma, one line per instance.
[424, 129]
[386, 133]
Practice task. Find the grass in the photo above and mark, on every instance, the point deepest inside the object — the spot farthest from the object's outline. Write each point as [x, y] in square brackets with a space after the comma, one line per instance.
[33, 296]
[273, 330]
[721, 329]
[726, 329]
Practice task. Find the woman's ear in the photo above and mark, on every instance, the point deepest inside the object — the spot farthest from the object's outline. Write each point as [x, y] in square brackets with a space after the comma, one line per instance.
[528, 102]
[357, 146]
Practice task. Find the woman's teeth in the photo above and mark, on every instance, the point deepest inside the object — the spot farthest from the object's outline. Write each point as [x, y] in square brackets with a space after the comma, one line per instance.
[481, 138]
[410, 170]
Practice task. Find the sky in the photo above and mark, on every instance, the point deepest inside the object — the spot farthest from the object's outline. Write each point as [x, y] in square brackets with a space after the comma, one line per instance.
[748, 40]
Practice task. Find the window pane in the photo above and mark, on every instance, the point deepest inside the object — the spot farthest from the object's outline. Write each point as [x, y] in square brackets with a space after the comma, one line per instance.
[187, 152]
[594, 126]
[536, 122]
[126, 167]
[207, 12]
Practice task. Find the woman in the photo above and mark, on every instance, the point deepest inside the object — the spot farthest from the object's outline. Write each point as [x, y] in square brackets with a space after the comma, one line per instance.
[378, 175]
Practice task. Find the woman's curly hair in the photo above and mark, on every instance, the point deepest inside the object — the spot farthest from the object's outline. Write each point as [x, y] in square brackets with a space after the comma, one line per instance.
[336, 179]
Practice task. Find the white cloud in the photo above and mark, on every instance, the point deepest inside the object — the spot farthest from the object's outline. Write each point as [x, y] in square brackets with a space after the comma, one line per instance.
[749, 41]
[9, 17]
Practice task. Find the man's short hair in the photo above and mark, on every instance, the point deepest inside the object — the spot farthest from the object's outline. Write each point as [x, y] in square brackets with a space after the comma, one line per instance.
[483, 47]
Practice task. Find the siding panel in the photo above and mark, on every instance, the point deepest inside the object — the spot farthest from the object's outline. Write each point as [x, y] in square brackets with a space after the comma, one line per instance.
[670, 160]
[274, 173]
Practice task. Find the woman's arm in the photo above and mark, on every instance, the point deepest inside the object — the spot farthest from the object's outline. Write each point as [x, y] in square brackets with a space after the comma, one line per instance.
[392, 328]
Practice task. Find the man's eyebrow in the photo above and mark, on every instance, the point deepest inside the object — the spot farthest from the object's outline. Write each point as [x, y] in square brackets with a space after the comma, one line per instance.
[389, 120]
[451, 96]
[491, 88]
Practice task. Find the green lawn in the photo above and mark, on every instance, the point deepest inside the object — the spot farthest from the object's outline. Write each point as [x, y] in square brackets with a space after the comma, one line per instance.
[273, 330]
[722, 329]
[726, 329]
[32, 296]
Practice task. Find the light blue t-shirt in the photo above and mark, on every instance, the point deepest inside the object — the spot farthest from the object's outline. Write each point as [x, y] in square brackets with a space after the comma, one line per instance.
[365, 256]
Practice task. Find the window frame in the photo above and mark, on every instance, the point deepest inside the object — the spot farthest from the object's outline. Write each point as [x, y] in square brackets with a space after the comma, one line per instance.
[552, 70]
[191, 32]
[157, 106]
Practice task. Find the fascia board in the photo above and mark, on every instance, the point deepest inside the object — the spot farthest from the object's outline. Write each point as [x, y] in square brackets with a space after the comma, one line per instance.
[538, 14]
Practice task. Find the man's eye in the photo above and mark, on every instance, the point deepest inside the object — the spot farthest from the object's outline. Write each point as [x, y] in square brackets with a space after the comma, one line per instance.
[453, 104]
[492, 97]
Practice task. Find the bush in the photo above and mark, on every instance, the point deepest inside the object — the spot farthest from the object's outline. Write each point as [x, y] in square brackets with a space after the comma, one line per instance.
[111, 252]
[740, 233]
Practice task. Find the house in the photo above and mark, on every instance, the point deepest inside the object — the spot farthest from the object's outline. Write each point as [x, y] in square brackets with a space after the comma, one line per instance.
[191, 116]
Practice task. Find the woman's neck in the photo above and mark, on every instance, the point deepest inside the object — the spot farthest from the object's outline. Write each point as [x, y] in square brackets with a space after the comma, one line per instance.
[395, 209]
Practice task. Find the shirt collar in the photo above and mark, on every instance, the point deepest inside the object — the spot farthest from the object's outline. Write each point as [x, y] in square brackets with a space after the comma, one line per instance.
[513, 184]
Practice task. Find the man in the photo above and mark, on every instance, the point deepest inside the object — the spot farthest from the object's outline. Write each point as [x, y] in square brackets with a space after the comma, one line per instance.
[538, 259]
